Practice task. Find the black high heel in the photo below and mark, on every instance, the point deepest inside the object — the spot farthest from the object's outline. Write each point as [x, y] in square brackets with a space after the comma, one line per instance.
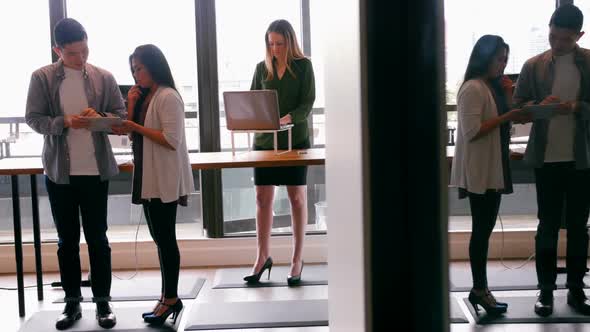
[488, 302]
[151, 312]
[254, 278]
[295, 280]
[173, 309]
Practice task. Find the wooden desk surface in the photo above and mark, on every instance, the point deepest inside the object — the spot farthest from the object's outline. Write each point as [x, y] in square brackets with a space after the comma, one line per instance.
[199, 160]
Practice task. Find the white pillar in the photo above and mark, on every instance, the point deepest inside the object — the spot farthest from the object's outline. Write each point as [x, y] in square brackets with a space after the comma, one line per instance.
[347, 250]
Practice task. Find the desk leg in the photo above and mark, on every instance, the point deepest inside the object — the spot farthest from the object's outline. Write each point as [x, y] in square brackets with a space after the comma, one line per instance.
[18, 245]
[233, 148]
[275, 141]
[37, 237]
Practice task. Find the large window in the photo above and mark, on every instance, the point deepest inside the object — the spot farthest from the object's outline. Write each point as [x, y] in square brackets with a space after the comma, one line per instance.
[115, 28]
[523, 24]
[27, 46]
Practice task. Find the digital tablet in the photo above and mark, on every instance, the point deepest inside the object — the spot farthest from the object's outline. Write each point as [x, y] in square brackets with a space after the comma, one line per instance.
[542, 111]
[103, 123]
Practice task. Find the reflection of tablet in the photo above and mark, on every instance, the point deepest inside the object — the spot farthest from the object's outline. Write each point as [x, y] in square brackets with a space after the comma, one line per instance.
[542, 111]
[103, 124]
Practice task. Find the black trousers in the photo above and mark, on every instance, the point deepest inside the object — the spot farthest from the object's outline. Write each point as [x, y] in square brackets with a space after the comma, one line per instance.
[161, 220]
[85, 195]
[562, 191]
[484, 211]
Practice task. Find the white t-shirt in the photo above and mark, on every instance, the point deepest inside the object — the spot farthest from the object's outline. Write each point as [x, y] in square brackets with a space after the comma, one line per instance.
[566, 86]
[81, 147]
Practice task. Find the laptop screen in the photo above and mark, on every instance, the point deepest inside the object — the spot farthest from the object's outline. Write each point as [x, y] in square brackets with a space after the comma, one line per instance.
[251, 110]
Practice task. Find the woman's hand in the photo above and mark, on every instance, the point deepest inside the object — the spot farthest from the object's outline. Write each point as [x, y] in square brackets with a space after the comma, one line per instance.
[133, 95]
[286, 120]
[507, 85]
[125, 128]
[519, 116]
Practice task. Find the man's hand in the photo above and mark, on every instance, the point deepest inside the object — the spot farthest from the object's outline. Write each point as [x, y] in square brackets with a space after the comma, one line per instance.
[550, 100]
[570, 107]
[75, 121]
[90, 112]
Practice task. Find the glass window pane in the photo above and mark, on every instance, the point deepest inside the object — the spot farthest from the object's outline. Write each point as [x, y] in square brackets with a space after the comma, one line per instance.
[527, 34]
[584, 6]
[171, 27]
[318, 14]
[240, 46]
[26, 49]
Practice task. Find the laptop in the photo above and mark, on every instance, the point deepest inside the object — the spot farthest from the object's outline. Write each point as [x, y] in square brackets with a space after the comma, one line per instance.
[252, 110]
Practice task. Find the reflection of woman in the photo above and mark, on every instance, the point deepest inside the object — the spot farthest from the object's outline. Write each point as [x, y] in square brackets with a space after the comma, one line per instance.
[481, 165]
[162, 178]
[286, 70]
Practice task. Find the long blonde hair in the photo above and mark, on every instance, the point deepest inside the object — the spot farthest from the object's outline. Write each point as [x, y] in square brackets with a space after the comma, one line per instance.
[284, 28]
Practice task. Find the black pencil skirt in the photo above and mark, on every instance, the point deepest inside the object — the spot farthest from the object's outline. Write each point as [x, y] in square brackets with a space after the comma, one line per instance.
[282, 176]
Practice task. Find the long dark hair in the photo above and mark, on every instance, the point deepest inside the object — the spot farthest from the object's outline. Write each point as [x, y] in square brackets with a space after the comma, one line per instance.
[152, 58]
[482, 55]
[156, 64]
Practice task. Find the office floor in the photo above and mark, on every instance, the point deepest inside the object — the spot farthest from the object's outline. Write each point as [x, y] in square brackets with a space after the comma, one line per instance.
[11, 321]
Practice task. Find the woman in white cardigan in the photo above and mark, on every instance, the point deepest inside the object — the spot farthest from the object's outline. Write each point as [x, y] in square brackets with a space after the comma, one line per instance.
[162, 176]
[481, 163]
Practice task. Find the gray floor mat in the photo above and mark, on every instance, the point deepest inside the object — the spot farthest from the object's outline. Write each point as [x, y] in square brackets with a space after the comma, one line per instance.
[268, 314]
[316, 274]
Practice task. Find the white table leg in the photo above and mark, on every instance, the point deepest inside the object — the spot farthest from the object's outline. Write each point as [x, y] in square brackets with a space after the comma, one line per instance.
[233, 149]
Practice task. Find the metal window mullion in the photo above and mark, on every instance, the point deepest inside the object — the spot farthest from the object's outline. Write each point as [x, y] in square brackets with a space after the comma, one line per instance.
[208, 82]
[57, 11]
[306, 27]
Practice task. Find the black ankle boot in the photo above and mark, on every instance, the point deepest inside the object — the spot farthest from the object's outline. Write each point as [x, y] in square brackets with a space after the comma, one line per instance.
[578, 300]
[105, 316]
[544, 305]
[72, 312]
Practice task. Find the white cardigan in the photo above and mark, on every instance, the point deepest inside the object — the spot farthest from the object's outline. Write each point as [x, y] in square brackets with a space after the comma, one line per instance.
[166, 173]
[477, 165]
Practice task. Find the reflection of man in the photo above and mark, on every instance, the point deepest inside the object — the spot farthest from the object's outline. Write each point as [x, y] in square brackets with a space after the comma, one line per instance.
[77, 163]
[559, 149]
